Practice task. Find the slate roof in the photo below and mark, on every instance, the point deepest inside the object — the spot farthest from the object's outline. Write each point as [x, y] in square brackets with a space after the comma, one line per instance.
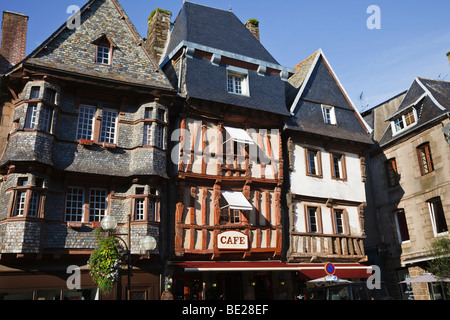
[431, 98]
[208, 82]
[73, 50]
[313, 84]
[216, 28]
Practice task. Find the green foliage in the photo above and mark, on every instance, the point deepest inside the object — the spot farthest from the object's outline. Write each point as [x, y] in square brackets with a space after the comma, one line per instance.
[254, 22]
[440, 249]
[448, 54]
[157, 10]
[106, 261]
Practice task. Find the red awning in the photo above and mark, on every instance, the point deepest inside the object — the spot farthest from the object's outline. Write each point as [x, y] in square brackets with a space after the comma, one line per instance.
[308, 270]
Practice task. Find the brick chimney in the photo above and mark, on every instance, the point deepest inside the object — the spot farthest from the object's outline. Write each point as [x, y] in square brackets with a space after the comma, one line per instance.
[253, 26]
[158, 33]
[14, 39]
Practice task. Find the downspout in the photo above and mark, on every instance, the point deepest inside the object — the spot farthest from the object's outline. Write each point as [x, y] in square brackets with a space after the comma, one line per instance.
[181, 70]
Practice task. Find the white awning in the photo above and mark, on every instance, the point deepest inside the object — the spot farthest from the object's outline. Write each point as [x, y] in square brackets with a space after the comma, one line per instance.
[239, 135]
[237, 201]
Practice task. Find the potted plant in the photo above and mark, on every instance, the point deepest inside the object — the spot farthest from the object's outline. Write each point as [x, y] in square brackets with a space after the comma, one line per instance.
[106, 261]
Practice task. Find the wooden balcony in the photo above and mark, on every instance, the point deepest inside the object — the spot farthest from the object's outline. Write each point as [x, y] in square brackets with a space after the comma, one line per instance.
[323, 247]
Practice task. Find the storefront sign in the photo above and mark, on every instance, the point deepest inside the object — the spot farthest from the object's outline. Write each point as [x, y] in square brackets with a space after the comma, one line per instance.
[232, 240]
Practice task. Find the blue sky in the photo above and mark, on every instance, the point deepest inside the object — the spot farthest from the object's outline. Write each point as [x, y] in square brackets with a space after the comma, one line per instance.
[413, 40]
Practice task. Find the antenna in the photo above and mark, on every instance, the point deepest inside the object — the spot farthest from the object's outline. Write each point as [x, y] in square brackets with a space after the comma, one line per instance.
[363, 101]
[229, 7]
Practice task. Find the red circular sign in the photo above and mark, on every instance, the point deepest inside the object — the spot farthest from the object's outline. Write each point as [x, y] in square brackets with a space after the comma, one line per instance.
[330, 268]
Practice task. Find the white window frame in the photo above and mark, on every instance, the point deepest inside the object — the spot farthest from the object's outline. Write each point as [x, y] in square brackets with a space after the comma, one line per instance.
[97, 209]
[85, 123]
[395, 124]
[31, 120]
[139, 209]
[108, 128]
[19, 208]
[433, 218]
[147, 134]
[316, 223]
[233, 74]
[103, 55]
[79, 205]
[329, 115]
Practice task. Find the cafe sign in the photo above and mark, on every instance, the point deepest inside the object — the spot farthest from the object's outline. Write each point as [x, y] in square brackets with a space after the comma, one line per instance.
[232, 240]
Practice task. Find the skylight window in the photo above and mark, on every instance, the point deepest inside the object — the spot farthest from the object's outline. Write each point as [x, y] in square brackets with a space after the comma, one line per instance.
[329, 116]
[237, 81]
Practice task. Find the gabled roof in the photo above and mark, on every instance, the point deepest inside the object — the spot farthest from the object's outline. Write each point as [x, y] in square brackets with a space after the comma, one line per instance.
[216, 28]
[430, 98]
[73, 50]
[314, 83]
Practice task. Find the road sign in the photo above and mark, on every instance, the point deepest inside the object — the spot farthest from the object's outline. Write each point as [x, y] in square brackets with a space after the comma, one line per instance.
[330, 269]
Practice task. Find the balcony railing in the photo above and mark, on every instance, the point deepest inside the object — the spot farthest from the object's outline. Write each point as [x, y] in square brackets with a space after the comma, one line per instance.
[322, 246]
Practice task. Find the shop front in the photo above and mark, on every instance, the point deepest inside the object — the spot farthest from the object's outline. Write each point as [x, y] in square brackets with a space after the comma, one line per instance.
[253, 280]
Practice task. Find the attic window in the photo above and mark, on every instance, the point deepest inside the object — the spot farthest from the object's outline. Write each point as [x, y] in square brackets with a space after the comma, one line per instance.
[329, 116]
[404, 122]
[237, 81]
[104, 50]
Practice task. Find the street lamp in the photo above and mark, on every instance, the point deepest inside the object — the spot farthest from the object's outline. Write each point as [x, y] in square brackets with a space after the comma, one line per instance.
[148, 243]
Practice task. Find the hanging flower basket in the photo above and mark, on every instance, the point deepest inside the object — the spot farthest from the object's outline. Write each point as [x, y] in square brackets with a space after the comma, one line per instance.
[106, 261]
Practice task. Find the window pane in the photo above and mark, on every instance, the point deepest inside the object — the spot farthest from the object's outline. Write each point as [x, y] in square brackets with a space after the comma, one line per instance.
[402, 225]
[139, 209]
[85, 123]
[31, 120]
[159, 136]
[35, 91]
[20, 204]
[34, 204]
[147, 134]
[151, 210]
[98, 204]
[50, 96]
[103, 55]
[312, 219]
[338, 216]
[45, 118]
[337, 166]
[327, 115]
[108, 129]
[409, 118]
[74, 204]
[312, 162]
[438, 215]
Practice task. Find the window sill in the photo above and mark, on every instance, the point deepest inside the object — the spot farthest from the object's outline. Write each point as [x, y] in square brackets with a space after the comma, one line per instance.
[85, 142]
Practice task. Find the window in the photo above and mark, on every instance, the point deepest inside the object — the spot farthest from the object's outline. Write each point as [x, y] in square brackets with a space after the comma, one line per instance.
[313, 163]
[402, 226]
[313, 223]
[98, 204]
[147, 134]
[145, 205]
[228, 215]
[338, 168]
[109, 126]
[50, 95]
[438, 220]
[425, 160]
[86, 119]
[103, 55]
[45, 117]
[329, 116]
[237, 83]
[74, 204]
[405, 121]
[139, 209]
[159, 136]
[31, 121]
[35, 92]
[148, 113]
[338, 221]
[391, 172]
[161, 115]
[26, 199]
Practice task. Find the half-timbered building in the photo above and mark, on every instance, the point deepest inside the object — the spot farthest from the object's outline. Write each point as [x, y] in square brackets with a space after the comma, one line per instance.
[227, 156]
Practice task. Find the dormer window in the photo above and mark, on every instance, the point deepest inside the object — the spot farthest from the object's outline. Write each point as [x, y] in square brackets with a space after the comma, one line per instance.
[329, 116]
[237, 81]
[104, 50]
[404, 122]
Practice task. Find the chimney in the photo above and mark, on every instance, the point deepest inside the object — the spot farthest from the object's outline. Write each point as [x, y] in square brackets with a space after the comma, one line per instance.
[14, 39]
[158, 33]
[253, 26]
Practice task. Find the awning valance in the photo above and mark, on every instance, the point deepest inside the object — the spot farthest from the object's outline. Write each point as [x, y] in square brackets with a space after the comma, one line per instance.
[307, 270]
[237, 201]
[239, 135]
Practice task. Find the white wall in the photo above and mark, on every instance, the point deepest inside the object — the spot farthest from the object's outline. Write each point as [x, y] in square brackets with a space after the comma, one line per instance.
[353, 189]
